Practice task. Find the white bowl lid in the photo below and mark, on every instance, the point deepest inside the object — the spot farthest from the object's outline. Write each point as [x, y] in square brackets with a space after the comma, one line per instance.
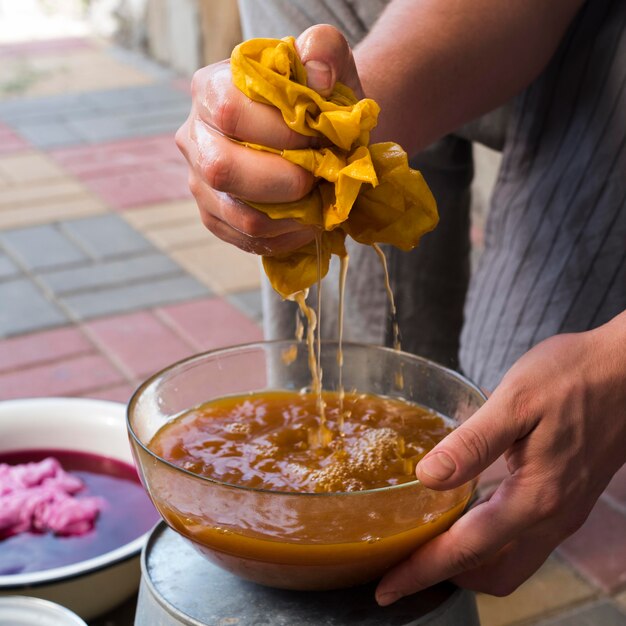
[28, 611]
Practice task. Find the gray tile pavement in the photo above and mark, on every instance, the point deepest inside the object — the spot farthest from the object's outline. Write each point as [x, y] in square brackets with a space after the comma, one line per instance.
[41, 247]
[94, 117]
[23, 308]
[70, 106]
[130, 123]
[105, 236]
[48, 134]
[110, 274]
[88, 268]
[126, 298]
[49, 108]
[8, 269]
[151, 96]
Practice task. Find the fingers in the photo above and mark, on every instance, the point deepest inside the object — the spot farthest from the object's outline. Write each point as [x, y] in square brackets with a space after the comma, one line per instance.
[266, 246]
[224, 170]
[510, 567]
[243, 172]
[223, 107]
[237, 223]
[544, 414]
[327, 58]
[472, 544]
[476, 444]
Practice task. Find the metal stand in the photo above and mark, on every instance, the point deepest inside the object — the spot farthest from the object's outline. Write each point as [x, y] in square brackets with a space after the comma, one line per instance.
[179, 587]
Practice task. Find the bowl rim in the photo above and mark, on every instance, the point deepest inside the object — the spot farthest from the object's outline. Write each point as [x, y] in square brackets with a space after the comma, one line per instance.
[32, 606]
[236, 348]
[57, 575]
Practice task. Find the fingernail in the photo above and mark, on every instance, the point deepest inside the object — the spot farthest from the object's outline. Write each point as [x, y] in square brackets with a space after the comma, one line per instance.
[438, 466]
[319, 76]
[385, 599]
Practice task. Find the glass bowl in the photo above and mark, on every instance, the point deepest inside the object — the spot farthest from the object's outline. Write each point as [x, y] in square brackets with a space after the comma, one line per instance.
[297, 540]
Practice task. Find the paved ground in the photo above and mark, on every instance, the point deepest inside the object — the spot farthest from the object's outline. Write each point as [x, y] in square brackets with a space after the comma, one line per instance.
[107, 275]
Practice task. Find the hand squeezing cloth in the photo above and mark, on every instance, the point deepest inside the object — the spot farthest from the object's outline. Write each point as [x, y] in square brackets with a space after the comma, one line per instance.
[367, 192]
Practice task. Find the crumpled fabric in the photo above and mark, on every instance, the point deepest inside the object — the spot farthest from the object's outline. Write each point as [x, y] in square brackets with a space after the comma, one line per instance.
[367, 192]
[40, 497]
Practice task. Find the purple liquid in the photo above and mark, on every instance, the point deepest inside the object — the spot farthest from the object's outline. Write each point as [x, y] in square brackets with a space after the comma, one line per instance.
[128, 513]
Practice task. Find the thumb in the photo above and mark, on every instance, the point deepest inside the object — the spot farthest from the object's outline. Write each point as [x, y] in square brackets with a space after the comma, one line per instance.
[473, 446]
[327, 59]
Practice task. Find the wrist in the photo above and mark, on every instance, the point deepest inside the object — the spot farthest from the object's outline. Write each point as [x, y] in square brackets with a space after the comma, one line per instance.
[610, 339]
[608, 347]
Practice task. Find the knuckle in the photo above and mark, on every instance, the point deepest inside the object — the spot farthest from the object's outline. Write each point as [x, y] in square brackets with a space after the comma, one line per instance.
[466, 558]
[213, 90]
[474, 443]
[253, 224]
[218, 172]
[523, 405]
[227, 114]
[207, 219]
[546, 508]
[194, 185]
[524, 399]
[546, 501]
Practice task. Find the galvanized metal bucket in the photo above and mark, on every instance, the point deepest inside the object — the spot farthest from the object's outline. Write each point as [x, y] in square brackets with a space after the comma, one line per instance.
[179, 587]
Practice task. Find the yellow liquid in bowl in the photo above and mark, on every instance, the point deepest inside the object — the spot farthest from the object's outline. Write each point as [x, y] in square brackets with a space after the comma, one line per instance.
[344, 494]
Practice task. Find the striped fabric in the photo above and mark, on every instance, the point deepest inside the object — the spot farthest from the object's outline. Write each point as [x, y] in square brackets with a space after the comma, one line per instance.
[555, 245]
[555, 250]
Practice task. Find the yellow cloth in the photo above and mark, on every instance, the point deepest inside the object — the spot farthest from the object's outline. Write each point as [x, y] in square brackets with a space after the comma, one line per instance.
[365, 191]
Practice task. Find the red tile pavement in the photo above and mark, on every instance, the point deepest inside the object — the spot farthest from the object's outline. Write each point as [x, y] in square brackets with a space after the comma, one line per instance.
[139, 342]
[45, 47]
[210, 323]
[161, 184]
[11, 142]
[103, 357]
[106, 159]
[38, 348]
[129, 173]
[71, 376]
[598, 549]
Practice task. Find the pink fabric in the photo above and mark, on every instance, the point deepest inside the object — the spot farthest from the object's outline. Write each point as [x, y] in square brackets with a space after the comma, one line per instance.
[39, 497]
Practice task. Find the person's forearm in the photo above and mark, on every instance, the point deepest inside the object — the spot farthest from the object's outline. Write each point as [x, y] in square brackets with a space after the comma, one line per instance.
[433, 65]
